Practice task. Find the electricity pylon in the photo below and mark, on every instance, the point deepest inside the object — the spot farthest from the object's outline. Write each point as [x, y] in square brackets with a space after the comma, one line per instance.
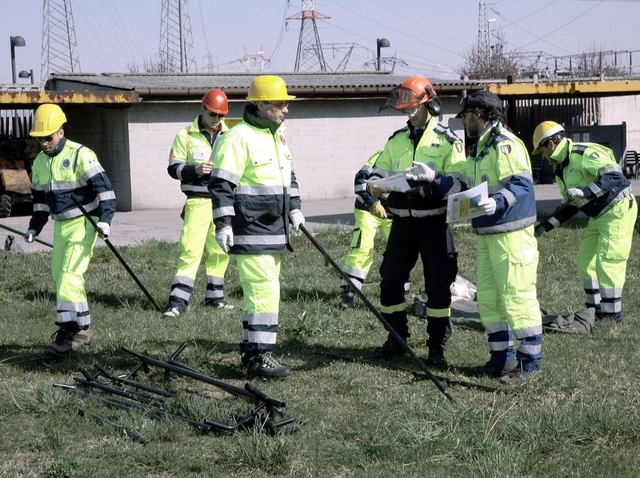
[59, 47]
[176, 39]
[309, 56]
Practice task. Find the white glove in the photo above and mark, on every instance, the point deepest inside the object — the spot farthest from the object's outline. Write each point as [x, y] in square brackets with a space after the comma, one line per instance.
[488, 206]
[224, 237]
[104, 229]
[296, 218]
[573, 193]
[29, 235]
[420, 172]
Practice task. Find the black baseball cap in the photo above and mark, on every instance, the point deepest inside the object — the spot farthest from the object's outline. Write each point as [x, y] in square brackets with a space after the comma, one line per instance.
[480, 99]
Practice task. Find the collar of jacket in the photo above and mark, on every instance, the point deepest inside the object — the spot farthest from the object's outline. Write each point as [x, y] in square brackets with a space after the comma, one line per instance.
[561, 153]
[251, 116]
[58, 148]
[486, 138]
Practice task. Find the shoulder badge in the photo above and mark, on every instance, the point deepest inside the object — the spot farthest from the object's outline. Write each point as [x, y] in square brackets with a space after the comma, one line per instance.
[594, 155]
[505, 149]
[282, 139]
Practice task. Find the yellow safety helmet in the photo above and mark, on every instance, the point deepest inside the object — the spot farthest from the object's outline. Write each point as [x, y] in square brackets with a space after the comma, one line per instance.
[47, 120]
[268, 88]
[543, 132]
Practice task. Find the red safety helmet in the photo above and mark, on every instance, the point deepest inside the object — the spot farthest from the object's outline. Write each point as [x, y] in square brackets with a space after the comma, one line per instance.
[216, 101]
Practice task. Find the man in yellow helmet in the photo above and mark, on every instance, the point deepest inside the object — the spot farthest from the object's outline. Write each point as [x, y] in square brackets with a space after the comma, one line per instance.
[189, 163]
[255, 199]
[419, 227]
[507, 250]
[591, 181]
[61, 169]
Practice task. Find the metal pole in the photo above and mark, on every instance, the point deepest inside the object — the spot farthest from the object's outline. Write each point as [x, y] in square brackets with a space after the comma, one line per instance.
[22, 234]
[117, 254]
[378, 315]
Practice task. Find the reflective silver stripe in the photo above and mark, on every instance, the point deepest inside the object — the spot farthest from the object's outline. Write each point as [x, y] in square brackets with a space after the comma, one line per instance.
[506, 227]
[75, 212]
[107, 195]
[360, 187]
[595, 189]
[590, 284]
[499, 327]
[611, 169]
[39, 207]
[529, 331]
[383, 173]
[223, 211]
[260, 190]
[76, 307]
[418, 212]
[214, 294]
[355, 282]
[530, 349]
[260, 319]
[554, 222]
[222, 174]
[366, 168]
[191, 188]
[611, 293]
[499, 346]
[350, 271]
[180, 294]
[67, 186]
[215, 280]
[592, 298]
[622, 195]
[611, 307]
[259, 240]
[97, 169]
[183, 280]
[180, 168]
[294, 192]
[508, 195]
[261, 337]
[37, 187]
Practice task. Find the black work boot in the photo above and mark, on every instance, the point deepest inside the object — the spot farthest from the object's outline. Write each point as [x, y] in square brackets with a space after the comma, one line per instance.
[437, 359]
[493, 369]
[391, 348]
[264, 365]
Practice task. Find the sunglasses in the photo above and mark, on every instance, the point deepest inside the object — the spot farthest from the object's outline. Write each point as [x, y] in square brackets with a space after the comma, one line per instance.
[46, 139]
[212, 114]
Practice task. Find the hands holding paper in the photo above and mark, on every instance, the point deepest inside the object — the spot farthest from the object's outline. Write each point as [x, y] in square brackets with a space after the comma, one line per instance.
[420, 172]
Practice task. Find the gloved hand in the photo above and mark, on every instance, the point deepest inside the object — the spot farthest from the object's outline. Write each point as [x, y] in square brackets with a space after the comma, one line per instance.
[420, 172]
[488, 206]
[296, 218]
[378, 210]
[573, 193]
[539, 231]
[104, 229]
[224, 237]
[29, 235]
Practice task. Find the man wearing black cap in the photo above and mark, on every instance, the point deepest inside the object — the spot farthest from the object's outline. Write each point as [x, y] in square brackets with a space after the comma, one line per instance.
[507, 249]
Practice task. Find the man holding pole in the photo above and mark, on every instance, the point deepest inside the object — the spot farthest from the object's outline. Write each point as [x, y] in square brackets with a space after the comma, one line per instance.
[62, 170]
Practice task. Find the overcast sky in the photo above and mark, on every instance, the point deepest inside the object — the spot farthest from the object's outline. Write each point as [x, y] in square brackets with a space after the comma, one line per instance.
[427, 37]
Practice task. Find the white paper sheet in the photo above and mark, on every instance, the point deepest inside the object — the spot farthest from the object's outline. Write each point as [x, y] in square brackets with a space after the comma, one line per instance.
[463, 206]
[397, 182]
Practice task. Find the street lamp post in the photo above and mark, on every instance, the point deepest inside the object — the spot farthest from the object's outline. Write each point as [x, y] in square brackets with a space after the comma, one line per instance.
[26, 74]
[15, 41]
[381, 43]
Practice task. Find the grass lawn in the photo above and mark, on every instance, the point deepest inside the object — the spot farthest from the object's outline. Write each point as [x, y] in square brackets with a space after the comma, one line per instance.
[358, 420]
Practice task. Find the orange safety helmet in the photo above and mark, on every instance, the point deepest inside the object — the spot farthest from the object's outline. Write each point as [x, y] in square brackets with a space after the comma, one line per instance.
[216, 101]
[414, 91]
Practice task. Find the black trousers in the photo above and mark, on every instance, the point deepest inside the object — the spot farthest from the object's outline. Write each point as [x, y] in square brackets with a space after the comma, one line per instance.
[430, 238]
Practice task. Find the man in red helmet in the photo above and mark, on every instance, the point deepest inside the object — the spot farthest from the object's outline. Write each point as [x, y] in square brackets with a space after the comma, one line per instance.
[189, 163]
[419, 224]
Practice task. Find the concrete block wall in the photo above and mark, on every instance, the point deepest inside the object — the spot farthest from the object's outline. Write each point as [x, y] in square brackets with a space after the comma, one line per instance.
[616, 109]
[330, 141]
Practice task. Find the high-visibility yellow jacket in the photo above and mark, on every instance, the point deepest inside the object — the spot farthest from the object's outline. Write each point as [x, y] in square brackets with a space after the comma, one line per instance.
[438, 147]
[71, 169]
[254, 186]
[190, 148]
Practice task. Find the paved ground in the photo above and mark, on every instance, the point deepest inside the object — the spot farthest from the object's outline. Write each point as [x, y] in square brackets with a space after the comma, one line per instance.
[136, 227]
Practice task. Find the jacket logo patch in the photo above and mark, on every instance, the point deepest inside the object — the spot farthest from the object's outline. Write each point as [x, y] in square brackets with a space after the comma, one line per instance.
[66, 163]
[505, 149]
[283, 140]
[458, 147]
[435, 145]
[433, 165]
[594, 155]
[397, 166]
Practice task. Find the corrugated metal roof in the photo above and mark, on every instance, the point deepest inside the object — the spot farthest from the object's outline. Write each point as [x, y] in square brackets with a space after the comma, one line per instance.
[175, 82]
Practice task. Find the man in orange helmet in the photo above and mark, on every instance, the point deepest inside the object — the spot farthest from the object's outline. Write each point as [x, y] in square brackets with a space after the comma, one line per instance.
[419, 224]
[189, 163]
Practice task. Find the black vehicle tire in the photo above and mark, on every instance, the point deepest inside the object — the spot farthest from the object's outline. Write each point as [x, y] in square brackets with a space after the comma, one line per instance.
[5, 205]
